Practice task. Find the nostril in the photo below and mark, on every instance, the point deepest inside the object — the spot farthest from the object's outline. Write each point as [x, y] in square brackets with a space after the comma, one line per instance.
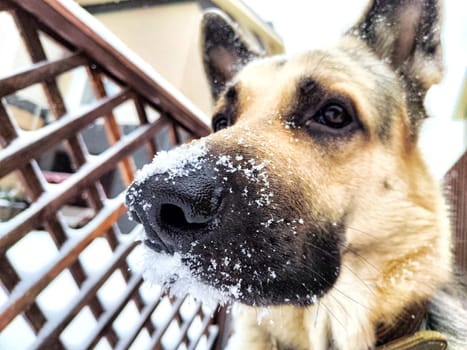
[173, 217]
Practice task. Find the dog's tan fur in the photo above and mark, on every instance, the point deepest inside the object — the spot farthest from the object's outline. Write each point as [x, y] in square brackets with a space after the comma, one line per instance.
[397, 240]
[398, 234]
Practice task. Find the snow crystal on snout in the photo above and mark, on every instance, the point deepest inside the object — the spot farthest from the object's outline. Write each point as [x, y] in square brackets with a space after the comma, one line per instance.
[170, 272]
[254, 172]
[178, 162]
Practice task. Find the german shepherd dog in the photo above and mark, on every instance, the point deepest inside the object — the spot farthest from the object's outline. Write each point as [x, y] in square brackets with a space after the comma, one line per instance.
[310, 205]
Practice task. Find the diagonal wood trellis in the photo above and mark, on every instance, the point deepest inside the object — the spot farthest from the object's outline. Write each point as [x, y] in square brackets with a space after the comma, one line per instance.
[176, 120]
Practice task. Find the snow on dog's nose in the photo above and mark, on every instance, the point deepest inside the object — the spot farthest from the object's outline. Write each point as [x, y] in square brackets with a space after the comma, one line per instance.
[176, 198]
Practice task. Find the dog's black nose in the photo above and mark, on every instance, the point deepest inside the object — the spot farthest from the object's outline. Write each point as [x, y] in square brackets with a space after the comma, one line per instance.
[176, 210]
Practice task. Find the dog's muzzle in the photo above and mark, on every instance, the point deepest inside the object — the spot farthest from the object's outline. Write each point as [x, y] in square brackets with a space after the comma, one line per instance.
[232, 223]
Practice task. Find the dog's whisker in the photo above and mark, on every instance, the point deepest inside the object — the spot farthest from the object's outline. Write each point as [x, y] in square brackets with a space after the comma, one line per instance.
[345, 266]
[350, 298]
[340, 304]
[348, 227]
[318, 275]
[317, 313]
[347, 248]
[365, 260]
[361, 231]
[334, 316]
[342, 293]
[359, 279]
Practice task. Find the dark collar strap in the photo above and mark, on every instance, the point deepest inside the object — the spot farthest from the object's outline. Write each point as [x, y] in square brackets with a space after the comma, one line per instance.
[407, 332]
[409, 322]
[424, 340]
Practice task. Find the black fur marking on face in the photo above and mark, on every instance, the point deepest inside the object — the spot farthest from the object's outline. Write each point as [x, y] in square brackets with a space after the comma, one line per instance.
[226, 115]
[309, 96]
[260, 274]
[322, 114]
[310, 90]
[231, 94]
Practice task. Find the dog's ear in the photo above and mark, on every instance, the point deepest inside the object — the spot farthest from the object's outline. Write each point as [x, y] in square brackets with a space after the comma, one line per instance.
[406, 34]
[225, 50]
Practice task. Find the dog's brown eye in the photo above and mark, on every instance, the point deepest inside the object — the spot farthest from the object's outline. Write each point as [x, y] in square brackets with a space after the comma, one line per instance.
[334, 116]
[220, 121]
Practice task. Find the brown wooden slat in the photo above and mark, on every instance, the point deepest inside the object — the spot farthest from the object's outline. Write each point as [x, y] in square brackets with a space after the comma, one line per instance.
[28, 170]
[183, 335]
[223, 320]
[143, 119]
[52, 331]
[204, 331]
[9, 129]
[456, 181]
[49, 136]
[27, 27]
[5, 6]
[38, 73]
[28, 30]
[51, 35]
[173, 133]
[116, 64]
[125, 343]
[112, 128]
[49, 203]
[214, 332]
[68, 255]
[10, 279]
[105, 323]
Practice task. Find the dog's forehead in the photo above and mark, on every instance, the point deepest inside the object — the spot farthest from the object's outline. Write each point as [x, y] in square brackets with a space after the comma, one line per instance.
[331, 67]
[271, 85]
